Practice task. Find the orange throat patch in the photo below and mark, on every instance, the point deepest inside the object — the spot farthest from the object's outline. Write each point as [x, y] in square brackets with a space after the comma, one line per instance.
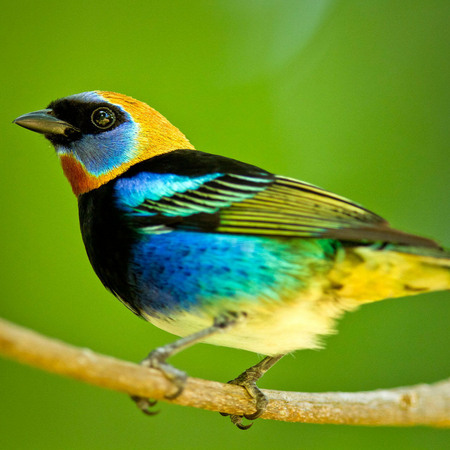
[80, 180]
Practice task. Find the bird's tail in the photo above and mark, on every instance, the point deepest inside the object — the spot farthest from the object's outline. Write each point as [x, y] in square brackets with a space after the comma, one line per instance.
[368, 274]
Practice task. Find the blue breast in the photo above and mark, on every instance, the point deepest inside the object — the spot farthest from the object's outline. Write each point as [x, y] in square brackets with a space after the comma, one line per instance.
[177, 269]
[182, 269]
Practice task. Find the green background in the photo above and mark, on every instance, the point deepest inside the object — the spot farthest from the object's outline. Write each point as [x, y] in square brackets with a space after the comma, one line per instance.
[349, 95]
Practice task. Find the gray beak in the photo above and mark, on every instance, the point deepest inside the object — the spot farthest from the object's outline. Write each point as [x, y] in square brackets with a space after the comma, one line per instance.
[45, 122]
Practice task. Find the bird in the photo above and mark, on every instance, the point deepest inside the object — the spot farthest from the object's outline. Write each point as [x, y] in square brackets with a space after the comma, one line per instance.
[215, 250]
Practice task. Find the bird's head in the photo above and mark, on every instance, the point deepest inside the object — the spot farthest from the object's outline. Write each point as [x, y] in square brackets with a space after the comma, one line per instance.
[98, 135]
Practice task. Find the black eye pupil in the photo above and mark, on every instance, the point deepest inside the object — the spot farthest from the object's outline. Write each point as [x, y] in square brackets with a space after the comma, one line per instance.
[103, 118]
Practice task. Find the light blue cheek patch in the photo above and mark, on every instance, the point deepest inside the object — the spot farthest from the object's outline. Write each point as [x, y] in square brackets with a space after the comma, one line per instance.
[132, 192]
[106, 151]
[100, 153]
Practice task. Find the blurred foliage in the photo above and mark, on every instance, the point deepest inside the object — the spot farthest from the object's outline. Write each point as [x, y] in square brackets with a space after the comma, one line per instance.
[350, 95]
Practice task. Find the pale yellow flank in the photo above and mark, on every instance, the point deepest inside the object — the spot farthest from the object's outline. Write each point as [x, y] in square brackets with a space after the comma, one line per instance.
[359, 275]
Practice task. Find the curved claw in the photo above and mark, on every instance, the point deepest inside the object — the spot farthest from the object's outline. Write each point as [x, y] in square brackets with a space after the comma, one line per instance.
[247, 380]
[237, 420]
[178, 378]
[261, 405]
[145, 405]
[147, 412]
[156, 360]
[255, 415]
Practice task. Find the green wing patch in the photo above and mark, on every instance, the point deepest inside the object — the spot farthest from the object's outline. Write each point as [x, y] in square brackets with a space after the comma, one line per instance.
[273, 206]
[292, 208]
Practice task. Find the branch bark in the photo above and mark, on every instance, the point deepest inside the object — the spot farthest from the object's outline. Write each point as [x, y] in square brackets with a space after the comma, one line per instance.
[405, 406]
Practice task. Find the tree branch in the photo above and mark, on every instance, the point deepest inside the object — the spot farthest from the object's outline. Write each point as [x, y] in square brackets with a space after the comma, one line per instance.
[405, 406]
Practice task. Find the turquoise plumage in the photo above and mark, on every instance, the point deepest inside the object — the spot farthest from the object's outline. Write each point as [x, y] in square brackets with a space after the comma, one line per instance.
[215, 250]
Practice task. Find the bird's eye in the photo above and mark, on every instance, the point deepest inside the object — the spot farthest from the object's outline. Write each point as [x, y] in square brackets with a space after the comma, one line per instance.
[103, 118]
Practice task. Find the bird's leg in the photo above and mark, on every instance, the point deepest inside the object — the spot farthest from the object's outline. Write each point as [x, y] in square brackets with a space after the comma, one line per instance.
[248, 379]
[157, 358]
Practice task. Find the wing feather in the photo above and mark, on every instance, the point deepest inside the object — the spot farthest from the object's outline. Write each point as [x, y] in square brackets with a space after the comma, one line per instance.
[267, 205]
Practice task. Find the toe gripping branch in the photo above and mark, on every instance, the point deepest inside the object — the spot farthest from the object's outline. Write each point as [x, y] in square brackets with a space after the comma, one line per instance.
[247, 379]
[157, 359]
